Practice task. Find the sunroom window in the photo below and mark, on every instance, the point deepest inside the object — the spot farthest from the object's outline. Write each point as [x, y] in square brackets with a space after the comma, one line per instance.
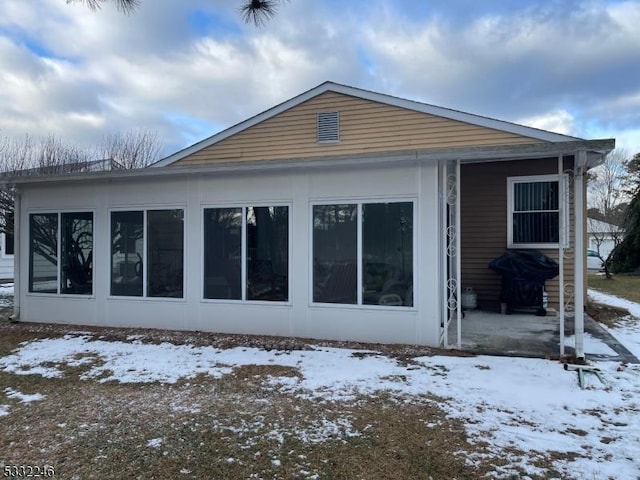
[534, 211]
[161, 267]
[366, 247]
[61, 253]
[255, 239]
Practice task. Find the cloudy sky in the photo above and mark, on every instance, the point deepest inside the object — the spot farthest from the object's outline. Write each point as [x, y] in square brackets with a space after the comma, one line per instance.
[189, 68]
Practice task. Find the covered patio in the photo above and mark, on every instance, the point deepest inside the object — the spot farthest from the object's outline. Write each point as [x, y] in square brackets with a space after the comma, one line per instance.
[527, 335]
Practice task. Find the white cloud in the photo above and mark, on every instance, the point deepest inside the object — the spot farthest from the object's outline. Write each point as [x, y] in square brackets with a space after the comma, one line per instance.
[558, 121]
[79, 73]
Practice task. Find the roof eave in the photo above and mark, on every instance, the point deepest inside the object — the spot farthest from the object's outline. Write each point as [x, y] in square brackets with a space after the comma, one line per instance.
[466, 154]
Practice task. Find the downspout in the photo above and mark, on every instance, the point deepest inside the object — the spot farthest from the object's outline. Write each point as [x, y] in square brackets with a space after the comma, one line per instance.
[16, 255]
[580, 163]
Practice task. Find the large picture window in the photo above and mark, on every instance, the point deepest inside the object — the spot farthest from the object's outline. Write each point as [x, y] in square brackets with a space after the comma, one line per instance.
[61, 253]
[370, 243]
[161, 266]
[253, 238]
[534, 211]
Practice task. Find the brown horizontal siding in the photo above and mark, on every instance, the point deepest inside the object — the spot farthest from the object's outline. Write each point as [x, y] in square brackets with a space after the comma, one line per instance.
[365, 127]
[483, 197]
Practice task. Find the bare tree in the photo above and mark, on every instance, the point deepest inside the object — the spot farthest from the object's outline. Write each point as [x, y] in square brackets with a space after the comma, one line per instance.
[606, 190]
[252, 11]
[51, 156]
[131, 149]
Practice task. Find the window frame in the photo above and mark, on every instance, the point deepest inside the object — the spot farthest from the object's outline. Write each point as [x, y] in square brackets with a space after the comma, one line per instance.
[563, 206]
[58, 293]
[145, 237]
[359, 202]
[243, 300]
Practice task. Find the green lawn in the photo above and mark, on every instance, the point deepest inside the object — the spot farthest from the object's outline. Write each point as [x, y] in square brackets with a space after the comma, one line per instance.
[625, 286]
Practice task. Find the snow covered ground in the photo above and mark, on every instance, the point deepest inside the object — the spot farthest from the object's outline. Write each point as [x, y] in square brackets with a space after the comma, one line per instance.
[515, 405]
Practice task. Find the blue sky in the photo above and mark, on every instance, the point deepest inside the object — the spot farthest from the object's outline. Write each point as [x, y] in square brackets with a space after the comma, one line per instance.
[189, 68]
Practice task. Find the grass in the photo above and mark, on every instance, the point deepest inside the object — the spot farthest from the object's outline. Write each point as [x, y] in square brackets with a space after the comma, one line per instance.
[622, 285]
[236, 426]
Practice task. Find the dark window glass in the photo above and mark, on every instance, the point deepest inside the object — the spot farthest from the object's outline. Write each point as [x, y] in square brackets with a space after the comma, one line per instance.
[536, 212]
[8, 236]
[535, 196]
[43, 253]
[538, 227]
[77, 253]
[165, 253]
[387, 253]
[335, 250]
[127, 250]
[223, 253]
[268, 253]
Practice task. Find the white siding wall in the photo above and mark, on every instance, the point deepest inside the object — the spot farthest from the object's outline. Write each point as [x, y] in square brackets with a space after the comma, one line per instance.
[296, 317]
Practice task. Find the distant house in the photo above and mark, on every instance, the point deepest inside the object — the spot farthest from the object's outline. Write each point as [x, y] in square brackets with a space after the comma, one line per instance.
[338, 214]
[602, 236]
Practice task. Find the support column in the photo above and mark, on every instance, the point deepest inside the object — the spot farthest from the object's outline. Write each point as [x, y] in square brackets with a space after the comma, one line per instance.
[562, 242]
[578, 205]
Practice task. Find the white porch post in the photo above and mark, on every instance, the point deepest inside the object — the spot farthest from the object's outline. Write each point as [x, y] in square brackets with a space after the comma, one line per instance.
[458, 260]
[562, 241]
[578, 205]
[450, 261]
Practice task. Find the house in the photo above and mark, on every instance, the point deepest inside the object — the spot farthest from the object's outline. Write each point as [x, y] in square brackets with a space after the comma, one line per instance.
[603, 236]
[338, 214]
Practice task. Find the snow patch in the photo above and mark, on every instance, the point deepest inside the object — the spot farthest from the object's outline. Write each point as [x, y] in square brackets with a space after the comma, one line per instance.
[154, 443]
[23, 397]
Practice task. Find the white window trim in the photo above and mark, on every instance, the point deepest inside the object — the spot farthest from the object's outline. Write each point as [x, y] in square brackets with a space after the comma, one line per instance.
[563, 206]
[144, 296]
[359, 202]
[58, 293]
[243, 260]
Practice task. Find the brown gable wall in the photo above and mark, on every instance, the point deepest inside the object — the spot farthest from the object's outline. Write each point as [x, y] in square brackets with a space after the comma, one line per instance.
[366, 127]
[483, 191]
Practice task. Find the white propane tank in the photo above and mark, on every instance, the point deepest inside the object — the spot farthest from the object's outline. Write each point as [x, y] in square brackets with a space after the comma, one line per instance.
[545, 299]
[469, 299]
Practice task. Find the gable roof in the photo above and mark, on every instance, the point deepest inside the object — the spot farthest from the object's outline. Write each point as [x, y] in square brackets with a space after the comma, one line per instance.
[469, 118]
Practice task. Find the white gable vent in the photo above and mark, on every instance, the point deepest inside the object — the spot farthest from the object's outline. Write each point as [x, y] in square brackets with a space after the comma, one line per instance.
[328, 126]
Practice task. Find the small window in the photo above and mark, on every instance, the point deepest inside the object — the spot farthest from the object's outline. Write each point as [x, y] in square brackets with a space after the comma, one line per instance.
[8, 236]
[253, 238]
[328, 126]
[162, 232]
[61, 253]
[377, 260]
[534, 211]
